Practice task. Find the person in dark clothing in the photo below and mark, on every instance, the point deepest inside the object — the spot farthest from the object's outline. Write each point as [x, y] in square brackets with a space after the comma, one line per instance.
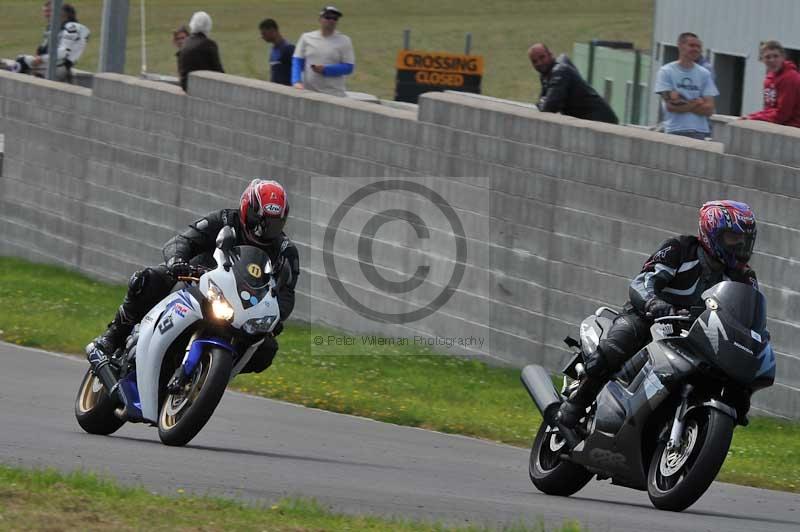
[198, 52]
[179, 37]
[280, 58]
[672, 280]
[564, 90]
[259, 221]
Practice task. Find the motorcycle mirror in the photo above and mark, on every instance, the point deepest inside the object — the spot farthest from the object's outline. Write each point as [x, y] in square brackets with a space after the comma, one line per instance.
[226, 239]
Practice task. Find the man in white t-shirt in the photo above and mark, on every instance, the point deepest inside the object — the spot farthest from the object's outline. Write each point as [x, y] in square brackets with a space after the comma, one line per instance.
[688, 91]
[323, 58]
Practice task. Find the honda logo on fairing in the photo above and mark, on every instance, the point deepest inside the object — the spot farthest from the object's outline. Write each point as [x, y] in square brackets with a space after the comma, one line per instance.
[714, 329]
[743, 348]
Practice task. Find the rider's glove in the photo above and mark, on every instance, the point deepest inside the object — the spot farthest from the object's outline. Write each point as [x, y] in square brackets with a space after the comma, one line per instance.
[658, 308]
[179, 267]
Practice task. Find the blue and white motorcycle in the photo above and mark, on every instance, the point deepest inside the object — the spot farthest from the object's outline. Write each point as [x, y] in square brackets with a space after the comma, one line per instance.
[178, 360]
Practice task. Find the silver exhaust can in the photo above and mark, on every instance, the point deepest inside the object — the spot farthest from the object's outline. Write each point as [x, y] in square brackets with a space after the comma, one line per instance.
[540, 387]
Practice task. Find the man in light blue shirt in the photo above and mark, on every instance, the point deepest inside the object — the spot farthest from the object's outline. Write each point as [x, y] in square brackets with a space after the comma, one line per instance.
[688, 91]
[323, 58]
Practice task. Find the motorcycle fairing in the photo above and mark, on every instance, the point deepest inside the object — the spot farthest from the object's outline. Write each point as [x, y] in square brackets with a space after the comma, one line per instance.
[742, 354]
[615, 435]
[160, 328]
[244, 308]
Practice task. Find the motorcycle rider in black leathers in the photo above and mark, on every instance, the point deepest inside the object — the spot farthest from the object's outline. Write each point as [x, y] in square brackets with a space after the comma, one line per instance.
[672, 280]
[259, 222]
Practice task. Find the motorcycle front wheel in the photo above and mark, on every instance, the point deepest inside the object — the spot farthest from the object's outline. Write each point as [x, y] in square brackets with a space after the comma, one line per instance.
[548, 472]
[94, 409]
[185, 413]
[678, 477]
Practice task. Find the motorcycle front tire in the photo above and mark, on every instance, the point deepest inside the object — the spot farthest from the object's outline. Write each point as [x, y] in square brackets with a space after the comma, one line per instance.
[677, 491]
[215, 370]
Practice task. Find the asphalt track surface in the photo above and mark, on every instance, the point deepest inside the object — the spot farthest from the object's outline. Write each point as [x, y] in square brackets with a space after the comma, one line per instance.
[261, 450]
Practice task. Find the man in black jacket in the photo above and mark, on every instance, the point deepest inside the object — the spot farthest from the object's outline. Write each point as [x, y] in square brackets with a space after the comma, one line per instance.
[259, 221]
[564, 90]
[198, 52]
[672, 280]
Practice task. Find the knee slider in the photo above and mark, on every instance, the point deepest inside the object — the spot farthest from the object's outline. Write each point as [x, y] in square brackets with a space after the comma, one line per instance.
[264, 355]
[259, 362]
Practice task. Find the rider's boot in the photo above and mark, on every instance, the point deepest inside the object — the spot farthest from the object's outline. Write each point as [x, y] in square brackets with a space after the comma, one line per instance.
[100, 350]
[574, 408]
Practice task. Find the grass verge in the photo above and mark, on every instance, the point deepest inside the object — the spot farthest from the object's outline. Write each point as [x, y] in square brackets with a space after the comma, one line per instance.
[50, 308]
[502, 31]
[37, 500]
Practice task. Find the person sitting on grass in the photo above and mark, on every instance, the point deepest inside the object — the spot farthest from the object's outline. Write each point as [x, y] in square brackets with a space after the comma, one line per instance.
[72, 39]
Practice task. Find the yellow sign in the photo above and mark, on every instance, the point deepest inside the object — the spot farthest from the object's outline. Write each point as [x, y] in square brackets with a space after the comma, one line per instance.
[440, 62]
[436, 78]
[254, 270]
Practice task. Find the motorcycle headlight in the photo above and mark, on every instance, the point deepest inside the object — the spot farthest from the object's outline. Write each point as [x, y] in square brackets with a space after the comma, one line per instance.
[258, 326]
[219, 305]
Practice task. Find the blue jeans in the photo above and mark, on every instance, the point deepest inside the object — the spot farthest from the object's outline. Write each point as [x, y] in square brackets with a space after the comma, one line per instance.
[699, 135]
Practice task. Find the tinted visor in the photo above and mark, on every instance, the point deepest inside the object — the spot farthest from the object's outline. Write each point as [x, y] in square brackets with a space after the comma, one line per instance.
[268, 229]
[739, 245]
[264, 229]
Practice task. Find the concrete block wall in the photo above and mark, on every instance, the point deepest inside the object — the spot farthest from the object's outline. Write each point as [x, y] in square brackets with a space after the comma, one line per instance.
[559, 212]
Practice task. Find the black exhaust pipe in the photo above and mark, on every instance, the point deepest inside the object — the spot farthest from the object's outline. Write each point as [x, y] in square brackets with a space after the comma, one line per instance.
[540, 387]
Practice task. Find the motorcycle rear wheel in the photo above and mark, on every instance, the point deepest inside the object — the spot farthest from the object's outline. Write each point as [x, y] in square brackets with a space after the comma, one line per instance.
[94, 409]
[548, 472]
[677, 478]
[184, 415]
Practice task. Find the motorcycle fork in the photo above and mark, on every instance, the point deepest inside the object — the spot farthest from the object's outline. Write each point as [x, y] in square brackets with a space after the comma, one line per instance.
[678, 422]
[180, 378]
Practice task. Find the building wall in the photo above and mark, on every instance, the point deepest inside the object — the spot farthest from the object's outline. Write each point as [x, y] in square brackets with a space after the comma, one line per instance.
[617, 66]
[559, 212]
[734, 27]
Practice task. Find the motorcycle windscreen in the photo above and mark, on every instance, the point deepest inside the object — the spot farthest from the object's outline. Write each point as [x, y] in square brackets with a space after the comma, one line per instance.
[731, 333]
[252, 269]
[744, 303]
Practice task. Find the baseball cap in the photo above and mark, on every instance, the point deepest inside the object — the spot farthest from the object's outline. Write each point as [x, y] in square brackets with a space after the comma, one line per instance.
[330, 9]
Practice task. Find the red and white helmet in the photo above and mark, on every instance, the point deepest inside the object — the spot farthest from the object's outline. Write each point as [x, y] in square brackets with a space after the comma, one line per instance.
[263, 210]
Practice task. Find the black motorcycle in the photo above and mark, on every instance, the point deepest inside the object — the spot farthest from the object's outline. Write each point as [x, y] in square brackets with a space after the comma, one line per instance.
[664, 423]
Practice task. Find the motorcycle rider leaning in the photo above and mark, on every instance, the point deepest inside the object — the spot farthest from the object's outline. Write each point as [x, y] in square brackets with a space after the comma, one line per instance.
[259, 221]
[672, 279]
